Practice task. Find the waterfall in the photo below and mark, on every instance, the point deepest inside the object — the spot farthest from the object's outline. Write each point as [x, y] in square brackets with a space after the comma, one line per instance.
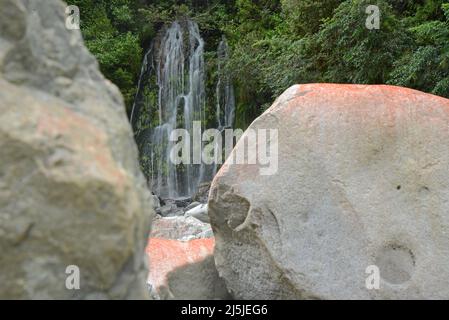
[225, 111]
[145, 69]
[172, 95]
[177, 63]
[224, 92]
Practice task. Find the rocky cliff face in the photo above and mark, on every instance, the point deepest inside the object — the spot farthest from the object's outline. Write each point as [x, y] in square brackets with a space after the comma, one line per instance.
[71, 191]
[362, 181]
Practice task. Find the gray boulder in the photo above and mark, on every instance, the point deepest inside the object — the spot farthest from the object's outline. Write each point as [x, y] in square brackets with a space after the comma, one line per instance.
[180, 228]
[362, 180]
[181, 260]
[199, 212]
[192, 205]
[71, 191]
[170, 210]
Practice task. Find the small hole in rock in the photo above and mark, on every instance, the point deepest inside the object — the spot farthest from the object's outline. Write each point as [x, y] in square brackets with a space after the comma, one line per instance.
[396, 263]
[399, 187]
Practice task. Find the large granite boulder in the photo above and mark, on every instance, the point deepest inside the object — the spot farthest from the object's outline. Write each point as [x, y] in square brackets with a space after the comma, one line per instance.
[71, 191]
[362, 181]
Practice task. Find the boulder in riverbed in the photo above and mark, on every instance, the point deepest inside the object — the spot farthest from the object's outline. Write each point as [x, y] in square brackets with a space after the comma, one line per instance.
[184, 270]
[199, 212]
[71, 191]
[362, 180]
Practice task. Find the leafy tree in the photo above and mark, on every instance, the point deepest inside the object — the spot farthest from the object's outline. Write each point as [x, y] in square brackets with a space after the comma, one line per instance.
[277, 43]
[306, 16]
[351, 53]
[426, 67]
[110, 30]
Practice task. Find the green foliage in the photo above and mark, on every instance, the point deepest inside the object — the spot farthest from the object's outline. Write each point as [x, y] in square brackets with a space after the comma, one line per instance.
[351, 53]
[111, 32]
[277, 43]
[426, 67]
[274, 44]
[306, 16]
[119, 56]
[327, 41]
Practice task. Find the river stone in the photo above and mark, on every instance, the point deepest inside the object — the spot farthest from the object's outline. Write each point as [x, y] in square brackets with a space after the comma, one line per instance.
[170, 210]
[180, 228]
[184, 270]
[183, 202]
[156, 202]
[199, 212]
[192, 205]
[71, 191]
[182, 267]
[362, 180]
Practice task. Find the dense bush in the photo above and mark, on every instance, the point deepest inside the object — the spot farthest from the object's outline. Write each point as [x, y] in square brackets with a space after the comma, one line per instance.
[425, 66]
[112, 32]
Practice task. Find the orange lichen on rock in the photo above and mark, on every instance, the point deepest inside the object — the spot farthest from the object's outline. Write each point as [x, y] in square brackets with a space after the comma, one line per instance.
[166, 256]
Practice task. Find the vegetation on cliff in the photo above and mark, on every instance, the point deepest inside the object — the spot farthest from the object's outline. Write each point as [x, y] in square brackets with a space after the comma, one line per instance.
[279, 43]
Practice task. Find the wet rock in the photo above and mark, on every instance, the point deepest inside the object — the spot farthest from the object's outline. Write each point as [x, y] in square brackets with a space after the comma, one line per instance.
[170, 210]
[156, 202]
[202, 194]
[192, 205]
[183, 202]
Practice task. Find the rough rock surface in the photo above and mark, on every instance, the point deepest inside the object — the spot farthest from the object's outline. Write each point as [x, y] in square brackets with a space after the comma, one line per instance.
[203, 193]
[180, 253]
[193, 205]
[184, 270]
[199, 212]
[71, 191]
[363, 179]
[181, 228]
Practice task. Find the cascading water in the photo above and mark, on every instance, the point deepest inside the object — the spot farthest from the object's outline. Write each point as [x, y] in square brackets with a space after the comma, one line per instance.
[172, 95]
[225, 90]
